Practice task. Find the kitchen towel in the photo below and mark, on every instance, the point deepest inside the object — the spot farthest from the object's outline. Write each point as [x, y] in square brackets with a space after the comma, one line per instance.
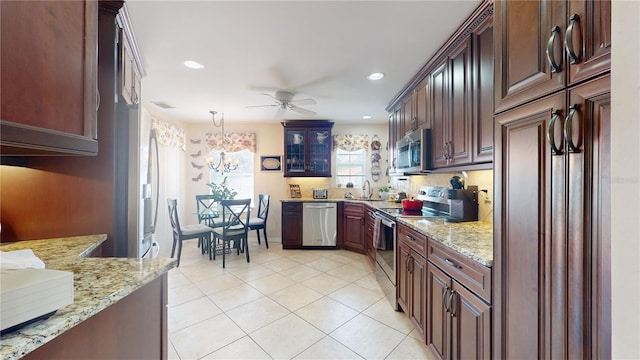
[20, 259]
[378, 241]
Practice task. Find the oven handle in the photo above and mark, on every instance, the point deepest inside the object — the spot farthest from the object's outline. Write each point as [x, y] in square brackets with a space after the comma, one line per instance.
[386, 222]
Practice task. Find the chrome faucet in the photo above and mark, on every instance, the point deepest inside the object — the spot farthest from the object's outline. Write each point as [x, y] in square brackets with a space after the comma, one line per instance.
[366, 189]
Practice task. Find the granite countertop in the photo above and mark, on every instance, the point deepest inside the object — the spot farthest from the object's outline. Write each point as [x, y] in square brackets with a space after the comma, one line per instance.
[473, 239]
[98, 283]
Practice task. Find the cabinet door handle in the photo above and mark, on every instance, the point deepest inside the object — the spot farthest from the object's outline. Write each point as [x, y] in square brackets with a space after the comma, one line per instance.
[452, 305]
[451, 263]
[550, 57]
[568, 40]
[97, 99]
[572, 148]
[551, 134]
[444, 298]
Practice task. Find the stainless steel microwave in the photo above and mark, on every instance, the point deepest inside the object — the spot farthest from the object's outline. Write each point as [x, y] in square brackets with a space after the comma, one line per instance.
[414, 152]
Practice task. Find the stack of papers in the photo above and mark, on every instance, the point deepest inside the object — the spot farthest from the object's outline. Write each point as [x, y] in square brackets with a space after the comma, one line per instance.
[28, 294]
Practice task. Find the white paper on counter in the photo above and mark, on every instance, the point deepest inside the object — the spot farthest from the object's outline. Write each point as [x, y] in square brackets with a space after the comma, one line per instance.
[20, 259]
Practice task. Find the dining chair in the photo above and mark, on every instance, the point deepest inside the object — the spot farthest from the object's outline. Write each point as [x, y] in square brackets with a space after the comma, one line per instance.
[234, 227]
[186, 232]
[260, 222]
[207, 212]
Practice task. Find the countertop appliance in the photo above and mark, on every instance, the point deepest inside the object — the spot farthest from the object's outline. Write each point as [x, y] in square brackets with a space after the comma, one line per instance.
[414, 152]
[320, 193]
[319, 224]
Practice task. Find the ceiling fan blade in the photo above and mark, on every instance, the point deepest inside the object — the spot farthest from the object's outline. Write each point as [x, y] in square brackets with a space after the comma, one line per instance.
[257, 106]
[308, 101]
[301, 110]
[271, 96]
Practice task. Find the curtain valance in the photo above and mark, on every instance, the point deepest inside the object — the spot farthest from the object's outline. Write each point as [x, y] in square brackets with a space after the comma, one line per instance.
[169, 134]
[350, 142]
[233, 142]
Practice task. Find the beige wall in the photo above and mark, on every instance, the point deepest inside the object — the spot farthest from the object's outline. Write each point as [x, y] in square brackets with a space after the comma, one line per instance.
[269, 141]
[625, 179]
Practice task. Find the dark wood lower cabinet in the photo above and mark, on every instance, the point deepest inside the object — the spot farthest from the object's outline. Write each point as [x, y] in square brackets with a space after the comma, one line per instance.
[291, 225]
[553, 213]
[354, 232]
[411, 269]
[133, 328]
[459, 322]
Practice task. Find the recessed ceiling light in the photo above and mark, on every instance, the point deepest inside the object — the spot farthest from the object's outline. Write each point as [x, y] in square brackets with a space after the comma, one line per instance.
[366, 117]
[375, 76]
[193, 65]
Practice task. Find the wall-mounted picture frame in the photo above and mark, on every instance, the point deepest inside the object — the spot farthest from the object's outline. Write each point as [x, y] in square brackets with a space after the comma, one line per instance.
[295, 191]
[271, 163]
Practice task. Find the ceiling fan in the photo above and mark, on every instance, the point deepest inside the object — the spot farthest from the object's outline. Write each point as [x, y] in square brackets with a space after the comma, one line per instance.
[284, 100]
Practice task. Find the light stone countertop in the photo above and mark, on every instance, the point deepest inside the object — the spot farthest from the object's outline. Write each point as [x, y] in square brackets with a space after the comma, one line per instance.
[98, 283]
[474, 239]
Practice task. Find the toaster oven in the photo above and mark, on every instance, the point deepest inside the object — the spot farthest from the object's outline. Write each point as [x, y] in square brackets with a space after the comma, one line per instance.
[320, 193]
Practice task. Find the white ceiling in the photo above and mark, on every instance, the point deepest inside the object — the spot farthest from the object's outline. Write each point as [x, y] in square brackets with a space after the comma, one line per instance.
[318, 49]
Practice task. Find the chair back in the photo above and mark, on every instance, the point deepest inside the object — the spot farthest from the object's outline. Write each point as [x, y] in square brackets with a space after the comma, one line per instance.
[263, 207]
[236, 215]
[173, 216]
[207, 209]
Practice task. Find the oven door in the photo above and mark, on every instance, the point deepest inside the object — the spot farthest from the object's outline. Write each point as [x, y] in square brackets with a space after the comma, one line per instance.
[386, 255]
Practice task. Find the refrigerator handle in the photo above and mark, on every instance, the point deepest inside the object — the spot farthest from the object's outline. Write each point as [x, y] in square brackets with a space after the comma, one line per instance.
[157, 249]
[153, 147]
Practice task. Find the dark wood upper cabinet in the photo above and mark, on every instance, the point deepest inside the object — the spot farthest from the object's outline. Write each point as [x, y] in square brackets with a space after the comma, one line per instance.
[543, 46]
[483, 103]
[453, 96]
[422, 105]
[588, 39]
[524, 31]
[408, 113]
[439, 114]
[307, 148]
[458, 128]
[49, 77]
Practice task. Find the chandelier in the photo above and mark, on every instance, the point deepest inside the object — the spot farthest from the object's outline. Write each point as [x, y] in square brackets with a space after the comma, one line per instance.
[223, 165]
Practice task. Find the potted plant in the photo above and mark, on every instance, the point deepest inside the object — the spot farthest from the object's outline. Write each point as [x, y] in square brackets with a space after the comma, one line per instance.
[222, 191]
[383, 192]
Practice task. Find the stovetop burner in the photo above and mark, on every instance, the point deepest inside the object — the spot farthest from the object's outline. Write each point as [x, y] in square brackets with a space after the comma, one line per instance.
[425, 212]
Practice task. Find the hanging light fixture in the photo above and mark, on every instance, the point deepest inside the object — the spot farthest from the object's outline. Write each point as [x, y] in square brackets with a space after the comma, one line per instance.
[223, 165]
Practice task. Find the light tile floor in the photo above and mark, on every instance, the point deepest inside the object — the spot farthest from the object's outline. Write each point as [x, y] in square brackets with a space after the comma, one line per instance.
[284, 304]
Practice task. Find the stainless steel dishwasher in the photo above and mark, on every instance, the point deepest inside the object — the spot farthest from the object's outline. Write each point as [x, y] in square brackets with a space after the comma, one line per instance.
[319, 224]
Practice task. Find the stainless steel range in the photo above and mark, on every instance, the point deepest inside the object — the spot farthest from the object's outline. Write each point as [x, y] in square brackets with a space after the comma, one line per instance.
[438, 202]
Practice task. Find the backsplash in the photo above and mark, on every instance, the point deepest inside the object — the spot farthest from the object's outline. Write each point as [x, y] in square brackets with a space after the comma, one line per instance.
[482, 178]
[409, 184]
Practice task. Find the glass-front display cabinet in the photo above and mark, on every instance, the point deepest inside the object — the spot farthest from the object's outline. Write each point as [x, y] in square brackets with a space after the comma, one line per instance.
[307, 148]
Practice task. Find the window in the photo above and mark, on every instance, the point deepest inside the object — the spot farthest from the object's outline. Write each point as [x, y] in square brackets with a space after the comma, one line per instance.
[351, 167]
[241, 179]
